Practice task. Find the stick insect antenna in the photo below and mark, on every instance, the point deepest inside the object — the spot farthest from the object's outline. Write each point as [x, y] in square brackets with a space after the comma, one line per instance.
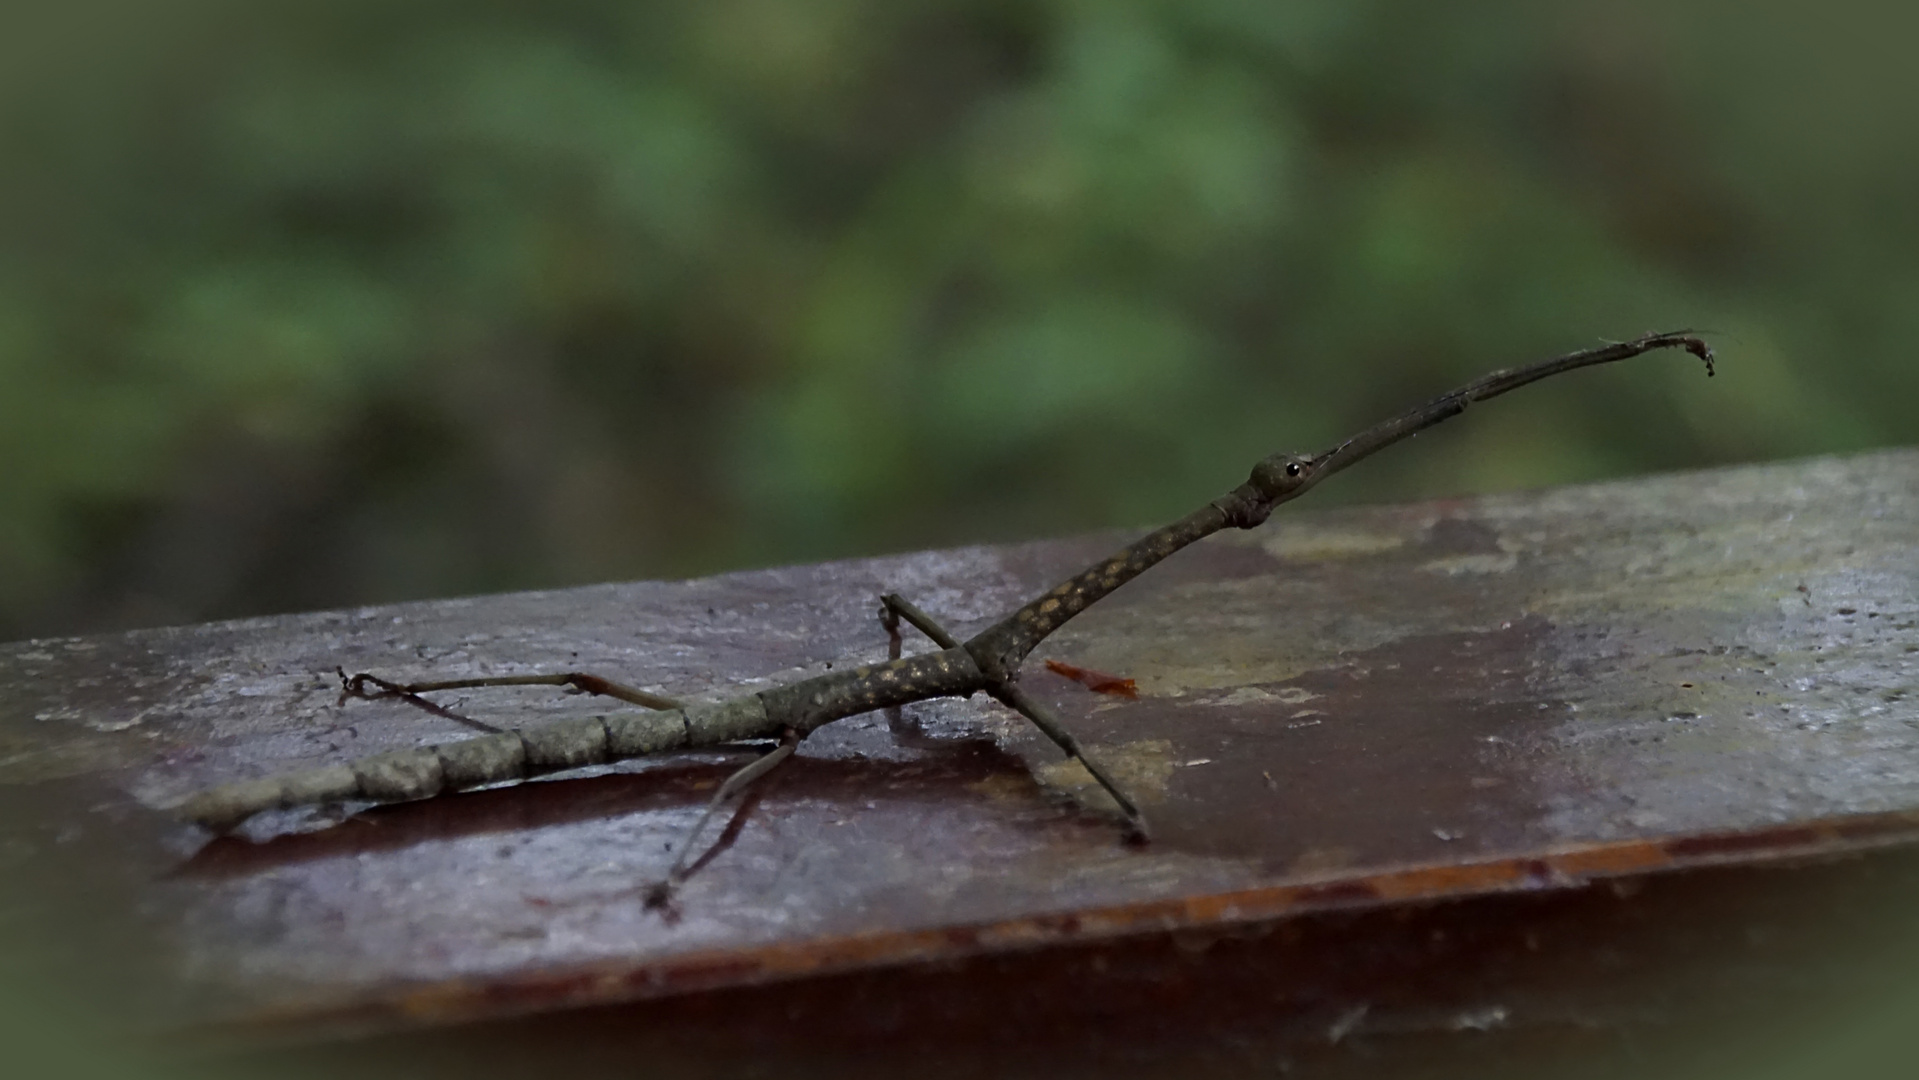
[1446, 406]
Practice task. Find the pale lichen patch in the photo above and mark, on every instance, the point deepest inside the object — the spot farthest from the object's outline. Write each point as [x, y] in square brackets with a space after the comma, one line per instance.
[1322, 861]
[1309, 543]
[1253, 695]
[1458, 565]
[1142, 769]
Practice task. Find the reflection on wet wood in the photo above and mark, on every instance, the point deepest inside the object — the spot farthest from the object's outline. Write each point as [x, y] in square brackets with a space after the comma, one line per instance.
[1342, 714]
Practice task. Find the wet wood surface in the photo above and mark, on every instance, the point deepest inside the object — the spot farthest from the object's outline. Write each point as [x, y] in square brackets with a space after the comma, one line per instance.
[1344, 715]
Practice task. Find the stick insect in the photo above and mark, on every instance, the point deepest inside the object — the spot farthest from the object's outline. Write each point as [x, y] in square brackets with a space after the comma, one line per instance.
[989, 662]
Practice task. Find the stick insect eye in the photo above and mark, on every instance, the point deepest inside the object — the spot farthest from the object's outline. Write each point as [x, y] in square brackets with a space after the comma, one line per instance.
[1282, 475]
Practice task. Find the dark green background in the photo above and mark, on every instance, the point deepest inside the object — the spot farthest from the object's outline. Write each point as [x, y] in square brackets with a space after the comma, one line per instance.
[313, 305]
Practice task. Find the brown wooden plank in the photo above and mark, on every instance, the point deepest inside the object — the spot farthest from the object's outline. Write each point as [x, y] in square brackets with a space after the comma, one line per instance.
[1352, 709]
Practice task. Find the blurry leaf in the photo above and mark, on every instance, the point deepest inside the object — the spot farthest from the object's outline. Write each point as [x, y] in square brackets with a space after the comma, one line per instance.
[313, 305]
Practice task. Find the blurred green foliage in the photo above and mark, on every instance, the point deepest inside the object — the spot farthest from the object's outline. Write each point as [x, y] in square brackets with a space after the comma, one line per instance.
[311, 305]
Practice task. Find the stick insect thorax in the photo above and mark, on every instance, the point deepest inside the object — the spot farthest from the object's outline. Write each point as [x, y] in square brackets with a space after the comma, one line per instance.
[989, 661]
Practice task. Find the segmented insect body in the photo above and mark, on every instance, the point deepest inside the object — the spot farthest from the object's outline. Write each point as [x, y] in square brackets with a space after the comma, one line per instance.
[989, 662]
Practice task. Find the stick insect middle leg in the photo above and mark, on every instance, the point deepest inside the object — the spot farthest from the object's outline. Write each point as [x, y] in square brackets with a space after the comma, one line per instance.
[893, 608]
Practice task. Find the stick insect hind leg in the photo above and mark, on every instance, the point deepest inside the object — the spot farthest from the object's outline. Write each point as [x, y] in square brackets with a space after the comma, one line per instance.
[893, 608]
[659, 894]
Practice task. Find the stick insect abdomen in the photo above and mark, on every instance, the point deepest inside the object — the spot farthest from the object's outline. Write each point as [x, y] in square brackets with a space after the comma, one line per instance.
[810, 703]
[426, 771]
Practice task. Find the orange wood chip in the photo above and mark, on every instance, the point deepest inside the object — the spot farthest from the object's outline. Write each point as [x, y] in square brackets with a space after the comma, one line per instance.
[1097, 681]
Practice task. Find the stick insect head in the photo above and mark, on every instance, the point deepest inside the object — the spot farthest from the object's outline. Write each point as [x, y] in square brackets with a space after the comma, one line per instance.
[1280, 477]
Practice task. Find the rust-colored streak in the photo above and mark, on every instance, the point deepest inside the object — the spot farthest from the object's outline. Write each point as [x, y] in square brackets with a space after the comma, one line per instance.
[1332, 892]
[1729, 845]
[1097, 681]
